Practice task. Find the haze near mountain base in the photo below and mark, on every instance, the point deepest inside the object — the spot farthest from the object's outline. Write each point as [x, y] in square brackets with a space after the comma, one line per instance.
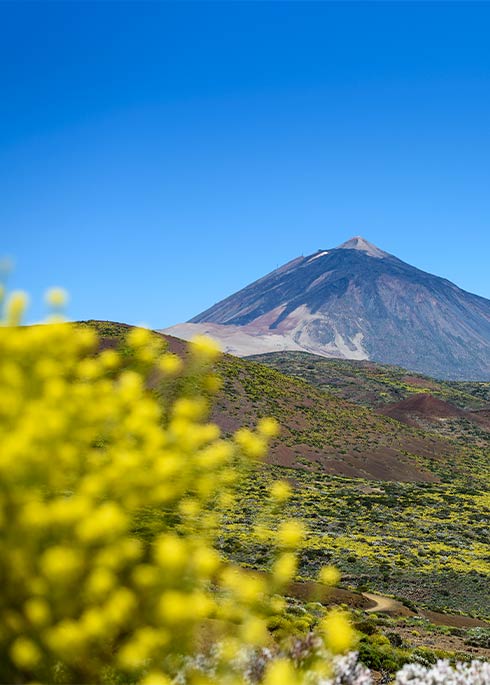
[355, 301]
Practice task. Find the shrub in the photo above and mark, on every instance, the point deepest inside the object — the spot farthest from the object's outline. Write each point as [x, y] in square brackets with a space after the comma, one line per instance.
[86, 449]
[478, 637]
[367, 626]
[381, 656]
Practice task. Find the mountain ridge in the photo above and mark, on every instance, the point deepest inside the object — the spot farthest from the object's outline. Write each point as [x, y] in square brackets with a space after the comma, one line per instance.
[356, 301]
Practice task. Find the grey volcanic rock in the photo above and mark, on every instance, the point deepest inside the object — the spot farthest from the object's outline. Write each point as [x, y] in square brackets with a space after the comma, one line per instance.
[358, 302]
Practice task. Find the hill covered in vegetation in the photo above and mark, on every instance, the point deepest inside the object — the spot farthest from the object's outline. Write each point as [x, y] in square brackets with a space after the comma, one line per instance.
[459, 410]
[321, 431]
[372, 384]
[399, 509]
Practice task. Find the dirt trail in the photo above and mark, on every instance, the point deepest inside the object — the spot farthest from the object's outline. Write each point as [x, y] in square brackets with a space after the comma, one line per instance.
[386, 604]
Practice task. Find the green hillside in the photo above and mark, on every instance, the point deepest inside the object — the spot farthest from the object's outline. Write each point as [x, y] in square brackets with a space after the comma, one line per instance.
[399, 510]
[322, 432]
[373, 384]
[424, 542]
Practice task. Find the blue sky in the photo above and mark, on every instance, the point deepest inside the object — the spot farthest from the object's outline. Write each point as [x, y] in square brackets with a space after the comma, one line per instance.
[155, 158]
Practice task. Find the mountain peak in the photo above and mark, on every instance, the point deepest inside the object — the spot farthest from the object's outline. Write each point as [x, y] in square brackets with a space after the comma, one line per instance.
[363, 245]
[357, 302]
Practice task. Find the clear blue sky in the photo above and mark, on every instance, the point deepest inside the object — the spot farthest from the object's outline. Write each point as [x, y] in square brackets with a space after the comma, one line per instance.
[157, 157]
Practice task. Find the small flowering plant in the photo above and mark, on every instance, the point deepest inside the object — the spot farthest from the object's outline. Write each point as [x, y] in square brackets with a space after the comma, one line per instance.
[85, 447]
[442, 673]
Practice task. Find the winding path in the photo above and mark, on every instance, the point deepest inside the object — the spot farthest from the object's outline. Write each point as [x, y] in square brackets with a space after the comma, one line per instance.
[385, 604]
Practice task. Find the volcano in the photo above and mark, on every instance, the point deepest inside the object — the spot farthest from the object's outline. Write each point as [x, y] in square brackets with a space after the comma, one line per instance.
[355, 301]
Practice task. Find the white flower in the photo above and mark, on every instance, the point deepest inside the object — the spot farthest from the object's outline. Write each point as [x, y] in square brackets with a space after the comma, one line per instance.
[476, 673]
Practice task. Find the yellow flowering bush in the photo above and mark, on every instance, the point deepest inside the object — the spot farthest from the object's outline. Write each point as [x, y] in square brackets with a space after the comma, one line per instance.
[84, 448]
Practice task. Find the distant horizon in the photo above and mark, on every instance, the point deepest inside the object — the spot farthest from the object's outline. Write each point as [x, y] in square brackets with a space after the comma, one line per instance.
[157, 157]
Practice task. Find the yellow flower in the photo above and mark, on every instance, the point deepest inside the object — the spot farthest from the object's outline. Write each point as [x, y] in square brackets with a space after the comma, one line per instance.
[212, 383]
[202, 605]
[66, 639]
[61, 564]
[146, 576]
[100, 582]
[15, 308]
[192, 409]
[251, 588]
[280, 491]
[290, 534]
[171, 553]
[205, 561]
[138, 337]
[132, 655]
[57, 297]
[253, 445]
[155, 678]
[338, 632]
[281, 672]
[37, 611]
[106, 522]
[120, 606]
[109, 359]
[329, 575]
[115, 491]
[268, 427]
[284, 568]
[204, 349]
[170, 364]
[189, 507]
[25, 653]
[254, 631]
[175, 607]
[93, 624]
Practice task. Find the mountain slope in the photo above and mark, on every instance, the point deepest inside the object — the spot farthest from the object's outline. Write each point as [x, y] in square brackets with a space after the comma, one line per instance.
[398, 510]
[372, 384]
[321, 432]
[356, 302]
[453, 409]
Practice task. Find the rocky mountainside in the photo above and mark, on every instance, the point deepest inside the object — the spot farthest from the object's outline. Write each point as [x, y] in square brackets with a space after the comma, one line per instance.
[356, 302]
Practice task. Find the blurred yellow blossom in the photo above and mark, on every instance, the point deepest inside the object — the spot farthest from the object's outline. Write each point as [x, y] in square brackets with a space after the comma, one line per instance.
[15, 307]
[338, 631]
[90, 451]
[170, 364]
[57, 297]
[290, 534]
[329, 575]
[281, 672]
[280, 491]
[204, 348]
[253, 445]
[155, 678]
[269, 427]
[284, 568]
[25, 653]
